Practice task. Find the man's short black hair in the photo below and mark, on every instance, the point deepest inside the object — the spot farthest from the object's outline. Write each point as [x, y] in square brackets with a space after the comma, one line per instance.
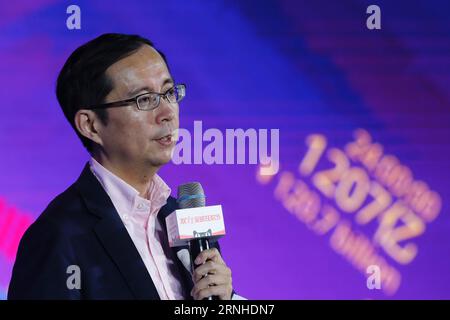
[82, 81]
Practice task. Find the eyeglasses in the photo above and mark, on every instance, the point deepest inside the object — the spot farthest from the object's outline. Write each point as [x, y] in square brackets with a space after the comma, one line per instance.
[149, 100]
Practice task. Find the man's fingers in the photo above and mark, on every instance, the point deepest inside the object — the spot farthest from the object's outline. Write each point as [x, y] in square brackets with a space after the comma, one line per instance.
[222, 291]
[217, 281]
[210, 267]
[210, 280]
[210, 254]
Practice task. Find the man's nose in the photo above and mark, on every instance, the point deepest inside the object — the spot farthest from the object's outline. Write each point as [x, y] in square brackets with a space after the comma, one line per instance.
[166, 111]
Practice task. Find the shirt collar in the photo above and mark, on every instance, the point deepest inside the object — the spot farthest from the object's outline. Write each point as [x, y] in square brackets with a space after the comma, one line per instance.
[124, 197]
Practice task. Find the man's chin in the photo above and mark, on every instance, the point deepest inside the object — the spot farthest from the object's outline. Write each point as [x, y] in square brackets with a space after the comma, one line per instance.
[158, 158]
[160, 161]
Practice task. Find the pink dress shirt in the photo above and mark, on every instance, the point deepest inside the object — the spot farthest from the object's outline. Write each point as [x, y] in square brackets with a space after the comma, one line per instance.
[139, 216]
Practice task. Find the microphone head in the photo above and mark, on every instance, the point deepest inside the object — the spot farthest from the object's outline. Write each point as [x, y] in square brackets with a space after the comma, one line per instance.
[191, 195]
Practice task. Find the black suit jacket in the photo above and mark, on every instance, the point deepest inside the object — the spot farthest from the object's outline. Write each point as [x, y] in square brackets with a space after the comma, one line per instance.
[81, 227]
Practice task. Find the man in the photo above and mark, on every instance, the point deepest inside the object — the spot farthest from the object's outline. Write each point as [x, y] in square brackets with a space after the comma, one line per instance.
[105, 236]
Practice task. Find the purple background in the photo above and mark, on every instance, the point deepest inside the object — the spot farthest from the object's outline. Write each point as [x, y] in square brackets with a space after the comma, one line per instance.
[301, 66]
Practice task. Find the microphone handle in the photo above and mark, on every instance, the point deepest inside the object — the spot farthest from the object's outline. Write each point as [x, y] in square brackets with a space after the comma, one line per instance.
[195, 247]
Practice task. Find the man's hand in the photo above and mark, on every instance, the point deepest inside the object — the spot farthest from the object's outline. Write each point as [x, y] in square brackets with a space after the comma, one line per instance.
[217, 281]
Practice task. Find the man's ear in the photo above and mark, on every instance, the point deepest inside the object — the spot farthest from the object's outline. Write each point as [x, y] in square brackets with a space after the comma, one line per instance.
[87, 124]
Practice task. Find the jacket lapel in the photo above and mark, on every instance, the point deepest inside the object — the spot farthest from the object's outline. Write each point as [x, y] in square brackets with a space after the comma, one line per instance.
[113, 235]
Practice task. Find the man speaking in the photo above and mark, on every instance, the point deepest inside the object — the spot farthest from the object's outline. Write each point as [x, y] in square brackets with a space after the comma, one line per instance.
[105, 236]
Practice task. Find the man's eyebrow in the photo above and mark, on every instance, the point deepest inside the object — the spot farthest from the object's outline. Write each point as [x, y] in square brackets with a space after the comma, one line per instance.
[146, 88]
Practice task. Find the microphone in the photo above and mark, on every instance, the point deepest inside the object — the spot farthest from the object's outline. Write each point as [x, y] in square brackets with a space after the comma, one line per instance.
[191, 195]
[194, 224]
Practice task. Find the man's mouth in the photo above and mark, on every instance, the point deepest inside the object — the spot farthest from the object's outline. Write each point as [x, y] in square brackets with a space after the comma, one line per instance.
[166, 140]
